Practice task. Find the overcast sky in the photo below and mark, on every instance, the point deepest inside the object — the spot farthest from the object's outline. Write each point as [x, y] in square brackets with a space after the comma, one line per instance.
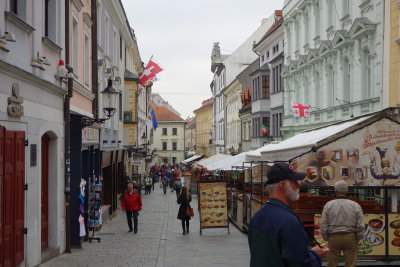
[180, 35]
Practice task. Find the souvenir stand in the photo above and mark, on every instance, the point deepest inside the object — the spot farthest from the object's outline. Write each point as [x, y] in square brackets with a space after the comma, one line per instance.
[363, 151]
[94, 206]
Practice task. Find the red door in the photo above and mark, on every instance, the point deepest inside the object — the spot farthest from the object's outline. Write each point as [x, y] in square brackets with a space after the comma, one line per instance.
[45, 192]
[13, 198]
[2, 138]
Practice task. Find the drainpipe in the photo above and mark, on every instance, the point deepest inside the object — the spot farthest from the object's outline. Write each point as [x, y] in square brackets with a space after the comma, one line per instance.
[67, 136]
[95, 90]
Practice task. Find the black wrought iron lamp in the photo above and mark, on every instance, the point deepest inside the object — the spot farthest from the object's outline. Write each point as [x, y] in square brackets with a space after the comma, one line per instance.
[110, 98]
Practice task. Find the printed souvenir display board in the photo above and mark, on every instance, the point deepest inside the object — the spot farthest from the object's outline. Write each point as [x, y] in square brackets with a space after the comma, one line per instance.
[257, 173]
[213, 204]
[367, 157]
[373, 242]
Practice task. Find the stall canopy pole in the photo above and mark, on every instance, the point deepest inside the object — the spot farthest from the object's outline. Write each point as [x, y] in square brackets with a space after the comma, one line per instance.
[262, 184]
[386, 223]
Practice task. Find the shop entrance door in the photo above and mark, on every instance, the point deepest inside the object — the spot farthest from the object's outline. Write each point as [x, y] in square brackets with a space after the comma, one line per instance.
[12, 161]
[45, 193]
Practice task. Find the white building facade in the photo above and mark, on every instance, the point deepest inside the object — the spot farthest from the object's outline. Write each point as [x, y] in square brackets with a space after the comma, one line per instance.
[31, 131]
[169, 141]
[333, 60]
[225, 69]
[233, 122]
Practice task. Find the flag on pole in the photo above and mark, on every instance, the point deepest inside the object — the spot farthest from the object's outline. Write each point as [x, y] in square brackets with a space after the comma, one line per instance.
[149, 72]
[151, 120]
[300, 110]
[265, 129]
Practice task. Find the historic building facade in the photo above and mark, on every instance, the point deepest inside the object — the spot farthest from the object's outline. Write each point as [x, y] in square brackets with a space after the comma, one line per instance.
[225, 68]
[204, 128]
[233, 104]
[391, 71]
[333, 60]
[32, 225]
[190, 136]
[270, 49]
[169, 137]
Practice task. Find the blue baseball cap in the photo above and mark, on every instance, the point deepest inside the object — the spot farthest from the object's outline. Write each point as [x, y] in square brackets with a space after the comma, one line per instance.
[281, 171]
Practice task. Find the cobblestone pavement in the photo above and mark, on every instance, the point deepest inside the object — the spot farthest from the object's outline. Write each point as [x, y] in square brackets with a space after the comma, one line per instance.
[159, 241]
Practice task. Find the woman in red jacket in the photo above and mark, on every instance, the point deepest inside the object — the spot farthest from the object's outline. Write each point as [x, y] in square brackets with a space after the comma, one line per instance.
[131, 204]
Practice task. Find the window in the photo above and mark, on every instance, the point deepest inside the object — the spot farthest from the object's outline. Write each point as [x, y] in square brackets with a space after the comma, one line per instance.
[164, 145]
[164, 131]
[120, 107]
[127, 115]
[173, 159]
[87, 60]
[50, 19]
[265, 86]
[120, 47]
[174, 131]
[262, 58]
[173, 145]
[75, 44]
[18, 7]
[106, 38]
[268, 54]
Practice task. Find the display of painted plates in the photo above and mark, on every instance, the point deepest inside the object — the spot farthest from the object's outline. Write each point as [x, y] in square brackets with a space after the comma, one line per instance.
[374, 239]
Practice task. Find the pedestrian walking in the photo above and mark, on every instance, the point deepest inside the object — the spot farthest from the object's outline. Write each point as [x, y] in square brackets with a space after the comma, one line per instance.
[164, 184]
[184, 199]
[276, 235]
[148, 184]
[342, 225]
[178, 187]
[131, 204]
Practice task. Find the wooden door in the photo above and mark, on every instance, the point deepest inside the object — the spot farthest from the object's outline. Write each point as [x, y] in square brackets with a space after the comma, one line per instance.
[8, 212]
[45, 193]
[2, 206]
[13, 198]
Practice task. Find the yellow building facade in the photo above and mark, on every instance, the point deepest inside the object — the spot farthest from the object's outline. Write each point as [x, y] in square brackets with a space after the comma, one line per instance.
[204, 128]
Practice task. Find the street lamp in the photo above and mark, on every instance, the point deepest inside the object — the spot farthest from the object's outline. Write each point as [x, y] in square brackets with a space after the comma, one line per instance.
[110, 97]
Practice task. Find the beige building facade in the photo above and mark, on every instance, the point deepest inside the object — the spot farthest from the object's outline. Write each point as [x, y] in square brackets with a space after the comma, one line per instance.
[204, 128]
[233, 105]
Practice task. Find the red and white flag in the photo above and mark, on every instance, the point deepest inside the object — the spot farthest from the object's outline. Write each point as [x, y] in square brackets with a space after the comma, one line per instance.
[149, 72]
[300, 110]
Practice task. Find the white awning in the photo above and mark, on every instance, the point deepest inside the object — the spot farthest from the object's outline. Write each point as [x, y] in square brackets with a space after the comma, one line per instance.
[191, 159]
[213, 159]
[304, 141]
[226, 164]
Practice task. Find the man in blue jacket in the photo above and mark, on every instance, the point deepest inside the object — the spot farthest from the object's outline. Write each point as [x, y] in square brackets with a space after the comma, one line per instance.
[277, 237]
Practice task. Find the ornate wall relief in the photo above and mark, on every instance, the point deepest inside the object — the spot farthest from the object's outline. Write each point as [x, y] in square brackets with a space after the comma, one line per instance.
[15, 108]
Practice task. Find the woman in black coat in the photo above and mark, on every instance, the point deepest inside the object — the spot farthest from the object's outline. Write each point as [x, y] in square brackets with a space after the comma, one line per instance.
[184, 199]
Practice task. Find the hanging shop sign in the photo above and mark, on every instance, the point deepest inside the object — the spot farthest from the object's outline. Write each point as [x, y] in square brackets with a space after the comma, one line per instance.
[90, 135]
[369, 156]
[213, 205]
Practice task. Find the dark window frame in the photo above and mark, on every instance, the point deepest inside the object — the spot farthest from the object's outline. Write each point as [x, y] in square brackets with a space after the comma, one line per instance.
[174, 131]
[164, 131]
[164, 146]
[174, 146]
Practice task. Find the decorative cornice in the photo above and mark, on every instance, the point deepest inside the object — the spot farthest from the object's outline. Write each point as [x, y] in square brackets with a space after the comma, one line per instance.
[83, 91]
[78, 4]
[50, 44]
[11, 17]
[30, 78]
[87, 19]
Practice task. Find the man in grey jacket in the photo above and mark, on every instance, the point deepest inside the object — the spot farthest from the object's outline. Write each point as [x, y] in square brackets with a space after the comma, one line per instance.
[342, 225]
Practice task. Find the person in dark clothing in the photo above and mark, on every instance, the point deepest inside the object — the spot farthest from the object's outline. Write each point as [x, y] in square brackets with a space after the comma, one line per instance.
[184, 199]
[131, 204]
[276, 235]
[177, 187]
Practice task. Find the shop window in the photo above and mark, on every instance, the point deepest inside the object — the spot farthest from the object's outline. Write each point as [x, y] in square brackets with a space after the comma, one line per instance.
[174, 131]
[164, 131]
[164, 146]
[173, 159]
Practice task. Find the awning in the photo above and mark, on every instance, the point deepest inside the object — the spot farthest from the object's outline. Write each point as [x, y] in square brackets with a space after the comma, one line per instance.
[304, 141]
[213, 159]
[227, 163]
[193, 158]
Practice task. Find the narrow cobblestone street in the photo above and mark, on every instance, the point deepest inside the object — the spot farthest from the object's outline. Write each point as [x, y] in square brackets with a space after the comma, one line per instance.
[159, 241]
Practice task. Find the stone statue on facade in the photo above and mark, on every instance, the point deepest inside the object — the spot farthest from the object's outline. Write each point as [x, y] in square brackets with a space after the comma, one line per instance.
[15, 108]
[216, 51]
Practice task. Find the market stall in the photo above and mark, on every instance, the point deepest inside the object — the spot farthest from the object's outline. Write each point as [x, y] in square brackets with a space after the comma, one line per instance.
[364, 152]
